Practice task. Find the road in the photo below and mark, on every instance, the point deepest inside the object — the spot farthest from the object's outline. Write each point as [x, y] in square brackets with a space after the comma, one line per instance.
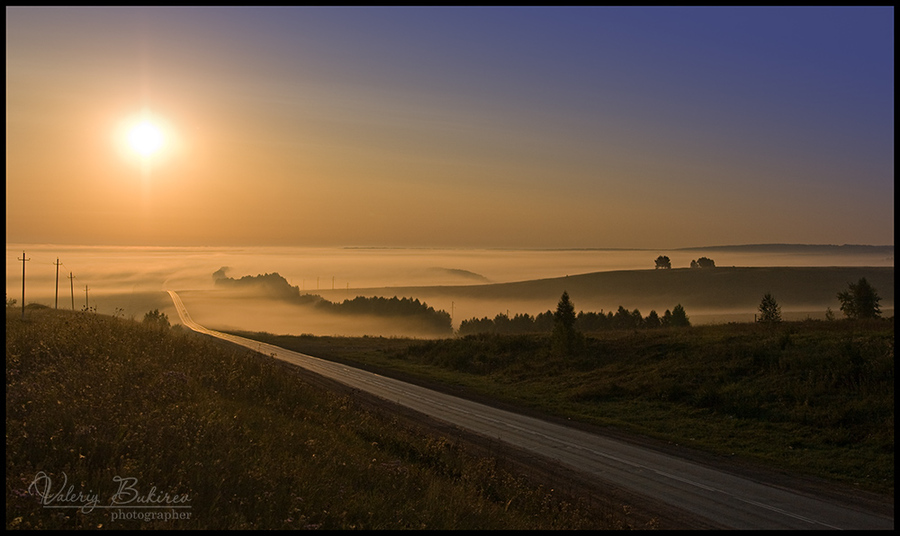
[726, 499]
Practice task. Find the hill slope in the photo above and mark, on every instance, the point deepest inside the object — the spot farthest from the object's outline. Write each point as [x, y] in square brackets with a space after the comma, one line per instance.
[246, 441]
[720, 289]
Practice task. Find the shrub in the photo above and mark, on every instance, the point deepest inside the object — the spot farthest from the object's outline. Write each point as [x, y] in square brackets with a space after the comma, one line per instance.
[155, 318]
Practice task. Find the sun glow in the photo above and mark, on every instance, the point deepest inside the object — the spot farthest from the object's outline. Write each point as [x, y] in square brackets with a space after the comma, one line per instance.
[147, 141]
[145, 138]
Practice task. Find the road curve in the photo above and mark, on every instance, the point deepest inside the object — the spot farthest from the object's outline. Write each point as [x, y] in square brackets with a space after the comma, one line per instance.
[725, 499]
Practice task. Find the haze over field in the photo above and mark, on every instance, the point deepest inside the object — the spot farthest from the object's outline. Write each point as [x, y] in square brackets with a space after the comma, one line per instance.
[464, 282]
[364, 148]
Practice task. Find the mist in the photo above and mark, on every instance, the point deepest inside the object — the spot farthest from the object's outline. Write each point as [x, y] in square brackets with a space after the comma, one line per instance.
[467, 283]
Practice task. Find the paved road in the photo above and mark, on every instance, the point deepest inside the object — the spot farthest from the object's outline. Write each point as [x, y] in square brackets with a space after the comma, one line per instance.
[724, 498]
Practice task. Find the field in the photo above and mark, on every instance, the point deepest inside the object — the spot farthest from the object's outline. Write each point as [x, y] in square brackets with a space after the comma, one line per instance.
[240, 439]
[253, 443]
[813, 398]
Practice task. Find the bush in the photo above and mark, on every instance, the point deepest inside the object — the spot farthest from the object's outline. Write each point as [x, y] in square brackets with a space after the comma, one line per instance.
[155, 318]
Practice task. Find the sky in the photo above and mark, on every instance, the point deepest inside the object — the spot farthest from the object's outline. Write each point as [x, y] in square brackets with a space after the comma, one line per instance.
[451, 127]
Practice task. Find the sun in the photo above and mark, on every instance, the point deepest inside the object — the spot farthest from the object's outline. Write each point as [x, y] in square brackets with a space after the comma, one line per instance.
[145, 138]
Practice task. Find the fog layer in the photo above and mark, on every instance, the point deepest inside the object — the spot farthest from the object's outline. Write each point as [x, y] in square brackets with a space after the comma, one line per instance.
[131, 281]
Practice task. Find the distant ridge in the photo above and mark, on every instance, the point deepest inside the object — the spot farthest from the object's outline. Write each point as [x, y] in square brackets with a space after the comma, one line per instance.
[830, 248]
[775, 247]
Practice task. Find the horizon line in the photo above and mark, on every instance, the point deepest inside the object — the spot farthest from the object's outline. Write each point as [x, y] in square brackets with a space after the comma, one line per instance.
[487, 248]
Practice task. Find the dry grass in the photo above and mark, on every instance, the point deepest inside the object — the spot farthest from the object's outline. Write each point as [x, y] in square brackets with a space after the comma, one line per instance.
[90, 398]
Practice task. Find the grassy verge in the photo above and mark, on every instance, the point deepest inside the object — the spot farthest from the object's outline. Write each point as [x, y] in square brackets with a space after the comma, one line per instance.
[815, 398]
[92, 400]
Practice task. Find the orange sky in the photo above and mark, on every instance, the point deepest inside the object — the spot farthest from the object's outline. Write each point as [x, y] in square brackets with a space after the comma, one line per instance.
[461, 128]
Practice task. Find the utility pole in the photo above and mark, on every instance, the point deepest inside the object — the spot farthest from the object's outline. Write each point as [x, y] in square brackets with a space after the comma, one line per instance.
[72, 288]
[23, 259]
[85, 297]
[56, 303]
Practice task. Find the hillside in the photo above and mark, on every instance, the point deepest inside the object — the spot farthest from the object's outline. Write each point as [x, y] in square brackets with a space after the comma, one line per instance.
[242, 442]
[811, 397]
[700, 291]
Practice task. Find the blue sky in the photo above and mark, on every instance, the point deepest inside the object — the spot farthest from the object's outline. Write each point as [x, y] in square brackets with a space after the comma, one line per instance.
[461, 127]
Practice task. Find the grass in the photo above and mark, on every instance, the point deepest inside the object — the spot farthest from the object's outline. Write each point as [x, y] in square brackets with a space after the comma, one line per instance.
[813, 397]
[92, 398]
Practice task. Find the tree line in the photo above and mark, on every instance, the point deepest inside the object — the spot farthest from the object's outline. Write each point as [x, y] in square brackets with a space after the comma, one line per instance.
[276, 286]
[395, 306]
[860, 301]
[583, 321]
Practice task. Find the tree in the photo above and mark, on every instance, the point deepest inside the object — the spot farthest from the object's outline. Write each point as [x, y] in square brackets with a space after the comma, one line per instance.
[587, 322]
[502, 324]
[623, 318]
[860, 301]
[156, 318]
[769, 310]
[636, 319]
[564, 334]
[543, 322]
[652, 320]
[679, 317]
[667, 318]
[522, 323]
[663, 262]
[703, 262]
[564, 317]
[476, 325]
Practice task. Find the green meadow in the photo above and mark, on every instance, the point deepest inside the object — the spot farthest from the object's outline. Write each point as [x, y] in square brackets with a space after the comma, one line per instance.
[812, 397]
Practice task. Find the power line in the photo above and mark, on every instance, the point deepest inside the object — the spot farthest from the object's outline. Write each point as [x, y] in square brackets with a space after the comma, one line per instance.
[23, 259]
[72, 277]
[56, 304]
[72, 288]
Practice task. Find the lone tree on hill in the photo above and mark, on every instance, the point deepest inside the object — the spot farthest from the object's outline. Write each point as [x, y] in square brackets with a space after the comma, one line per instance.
[769, 310]
[703, 262]
[663, 262]
[564, 334]
[860, 301]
